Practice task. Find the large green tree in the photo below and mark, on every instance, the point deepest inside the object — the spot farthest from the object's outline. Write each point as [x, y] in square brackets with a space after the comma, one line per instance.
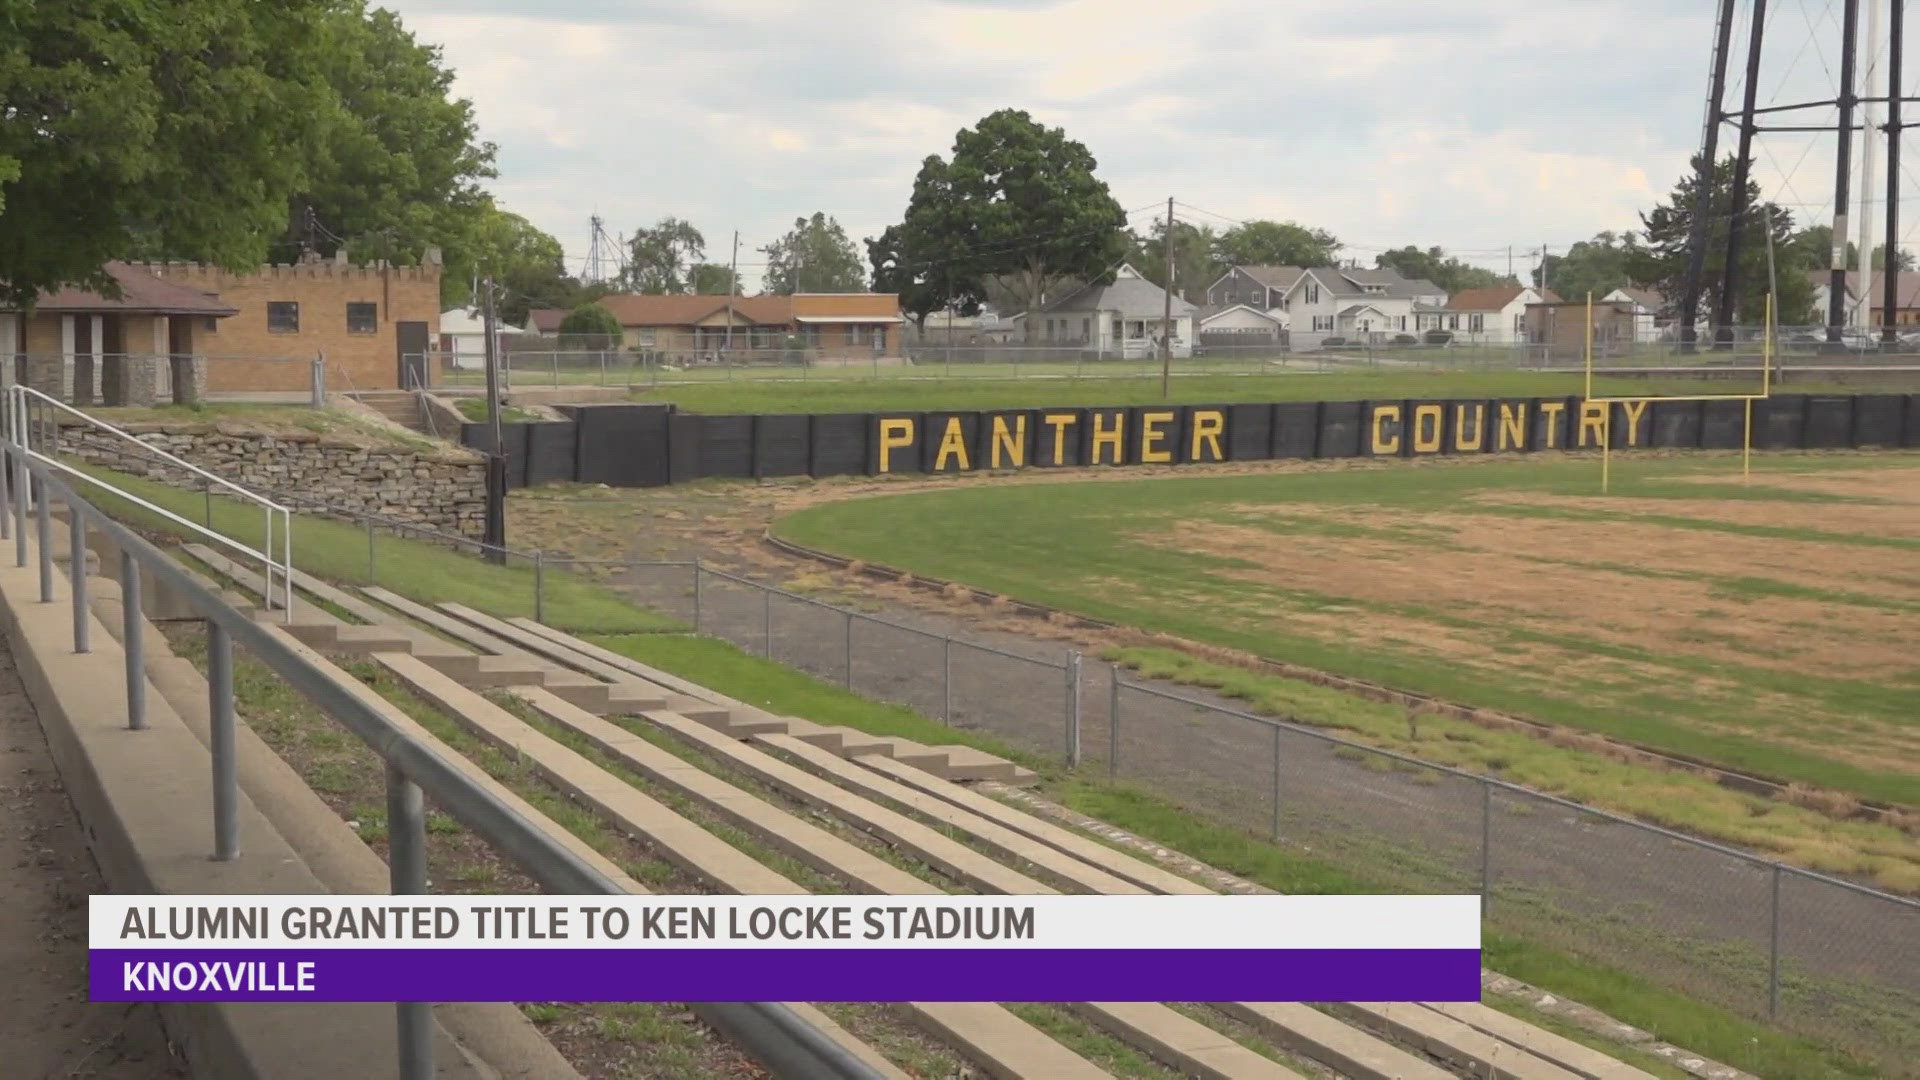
[1812, 249]
[815, 256]
[922, 258]
[1277, 243]
[659, 258]
[528, 266]
[400, 162]
[712, 279]
[1435, 265]
[132, 127]
[1019, 198]
[1195, 262]
[1668, 229]
[1598, 266]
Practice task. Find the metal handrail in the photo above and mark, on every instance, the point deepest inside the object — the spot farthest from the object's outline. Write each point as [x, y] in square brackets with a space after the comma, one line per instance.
[772, 1032]
[19, 426]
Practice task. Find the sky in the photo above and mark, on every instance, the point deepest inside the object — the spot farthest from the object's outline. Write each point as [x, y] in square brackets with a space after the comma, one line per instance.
[1477, 125]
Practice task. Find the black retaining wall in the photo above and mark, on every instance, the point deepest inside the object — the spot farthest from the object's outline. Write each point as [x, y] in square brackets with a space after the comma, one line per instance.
[652, 445]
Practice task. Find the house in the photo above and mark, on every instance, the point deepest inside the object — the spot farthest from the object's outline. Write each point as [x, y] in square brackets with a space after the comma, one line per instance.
[1241, 327]
[1259, 287]
[1906, 309]
[138, 348]
[463, 338]
[1123, 319]
[1355, 304]
[375, 324]
[688, 328]
[1494, 316]
[1649, 307]
[1558, 329]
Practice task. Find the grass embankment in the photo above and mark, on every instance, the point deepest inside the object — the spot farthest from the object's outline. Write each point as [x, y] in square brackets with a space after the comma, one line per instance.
[340, 551]
[347, 775]
[1740, 625]
[475, 409]
[873, 395]
[268, 419]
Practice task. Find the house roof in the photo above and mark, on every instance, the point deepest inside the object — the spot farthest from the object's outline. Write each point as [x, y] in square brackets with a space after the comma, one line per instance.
[1355, 309]
[1906, 289]
[1646, 298]
[546, 320]
[1209, 314]
[1354, 282]
[1273, 277]
[1492, 298]
[141, 293]
[636, 310]
[1130, 294]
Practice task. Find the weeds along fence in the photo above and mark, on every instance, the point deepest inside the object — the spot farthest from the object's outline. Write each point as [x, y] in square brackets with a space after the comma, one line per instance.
[1807, 952]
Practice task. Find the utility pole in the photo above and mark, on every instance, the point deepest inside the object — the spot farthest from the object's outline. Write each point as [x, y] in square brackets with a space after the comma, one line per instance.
[496, 524]
[1510, 260]
[1843, 161]
[1889, 304]
[733, 286]
[1166, 318]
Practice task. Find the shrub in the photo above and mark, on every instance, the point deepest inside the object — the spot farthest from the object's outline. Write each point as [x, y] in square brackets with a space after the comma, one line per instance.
[1328, 343]
[591, 322]
[1439, 337]
[1405, 339]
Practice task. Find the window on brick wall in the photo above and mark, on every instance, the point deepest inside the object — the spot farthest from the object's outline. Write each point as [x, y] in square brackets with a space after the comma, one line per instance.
[363, 318]
[283, 317]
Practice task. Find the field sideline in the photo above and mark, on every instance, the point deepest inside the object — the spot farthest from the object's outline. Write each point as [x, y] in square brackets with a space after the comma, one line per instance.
[794, 395]
[1769, 628]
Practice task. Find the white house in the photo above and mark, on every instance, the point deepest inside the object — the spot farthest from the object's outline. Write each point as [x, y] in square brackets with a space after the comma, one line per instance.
[1123, 319]
[1492, 316]
[1262, 288]
[463, 337]
[1241, 326]
[1354, 304]
[1647, 306]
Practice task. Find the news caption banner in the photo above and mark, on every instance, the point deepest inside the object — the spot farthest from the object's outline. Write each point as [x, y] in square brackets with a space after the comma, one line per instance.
[784, 948]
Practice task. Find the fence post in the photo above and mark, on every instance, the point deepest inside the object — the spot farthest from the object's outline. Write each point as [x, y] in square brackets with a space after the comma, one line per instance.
[1276, 782]
[320, 380]
[44, 521]
[1073, 709]
[206, 488]
[1486, 846]
[946, 679]
[130, 631]
[6, 499]
[226, 803]
[696, 594]
[1113, 723]
[77, 573]
[539, 587]
[766, 620]
[849, 683]
[407, 876]
[1773, 950]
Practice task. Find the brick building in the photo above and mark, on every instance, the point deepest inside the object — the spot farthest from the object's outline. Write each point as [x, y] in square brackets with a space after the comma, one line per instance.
[830, 326]
[135, 348]
[374, 324]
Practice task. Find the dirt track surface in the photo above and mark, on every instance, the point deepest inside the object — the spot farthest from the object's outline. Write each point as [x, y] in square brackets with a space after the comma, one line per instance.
[48, 1029]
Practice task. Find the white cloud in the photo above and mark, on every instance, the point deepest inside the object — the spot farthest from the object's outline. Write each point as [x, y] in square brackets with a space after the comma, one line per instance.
[1472, 125]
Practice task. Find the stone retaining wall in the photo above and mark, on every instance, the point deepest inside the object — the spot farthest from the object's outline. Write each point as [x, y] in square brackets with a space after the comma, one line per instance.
[440, 487]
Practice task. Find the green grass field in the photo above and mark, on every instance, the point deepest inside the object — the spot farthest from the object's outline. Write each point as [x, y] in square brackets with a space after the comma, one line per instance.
[1770, 628]
[872, 395]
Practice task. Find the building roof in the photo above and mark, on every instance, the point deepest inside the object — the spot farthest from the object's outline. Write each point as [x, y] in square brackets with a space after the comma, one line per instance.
[1646, 298]
[635, 310]
[1130, 294]
[1209, 314]
[1354, 282]
[141, 293]
[1492, 298]
[1273, 277]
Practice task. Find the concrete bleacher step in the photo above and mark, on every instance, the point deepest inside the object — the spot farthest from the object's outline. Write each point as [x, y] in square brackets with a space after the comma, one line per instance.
[986, 1033]
[1562, 1051]
[1179, 1040]
[1440, 1036]
[1310, 1033]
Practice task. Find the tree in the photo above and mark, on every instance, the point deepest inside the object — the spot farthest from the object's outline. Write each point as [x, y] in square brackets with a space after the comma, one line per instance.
[921, 286]
[657, 258]
[1195, 265]
[528, 266]
[1668, 228]
[1598, 266]
[1812, 249]
[399, 165]
[816, 257]
[127, 130]
[1277, 243]
[1435, 265]
[712, 279]
[921, 259]
[1017, 198]
[592, 324]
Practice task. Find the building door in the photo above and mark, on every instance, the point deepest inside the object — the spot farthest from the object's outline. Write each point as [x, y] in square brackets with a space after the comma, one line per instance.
[411, 339]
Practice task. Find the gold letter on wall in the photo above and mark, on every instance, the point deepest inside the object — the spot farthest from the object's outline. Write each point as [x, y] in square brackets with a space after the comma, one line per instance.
[1153, 449]
[1108, 438]
[1428, 420]
[1059, 422]
[895, 434]
[1513, 426]
[1009, 447]
[1634, 410]
[1593, 423]
[1550, 412]
[953, 443]
[1382, 416]
[1208, 425]
[1465, 416]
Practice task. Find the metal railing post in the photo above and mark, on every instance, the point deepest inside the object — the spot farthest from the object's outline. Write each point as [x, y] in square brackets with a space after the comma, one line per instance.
[1113, 725]
[1773, 950]
[539, 587]
[946, 680]
[6, 499]
[407, 874]
[226, 797]
[1073, 709]
[1276, 783]
[22, 489]
[77, 574]
[131, 623]
[44, 525]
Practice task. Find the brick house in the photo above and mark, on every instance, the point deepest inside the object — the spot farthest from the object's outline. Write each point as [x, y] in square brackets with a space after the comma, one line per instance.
[1558, 329]
[829, 325]
[374, 324]
[136, 348]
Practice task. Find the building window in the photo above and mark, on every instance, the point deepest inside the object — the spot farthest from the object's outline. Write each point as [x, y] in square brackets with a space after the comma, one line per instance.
[362, 318]
[1402, 323]
[1476, 323]
[283, 317]
[1322, 323]
[1313, 294]
[879, 339]
[1086, 329]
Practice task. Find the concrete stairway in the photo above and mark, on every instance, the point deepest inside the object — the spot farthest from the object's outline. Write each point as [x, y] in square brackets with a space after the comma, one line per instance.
[400, 406]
